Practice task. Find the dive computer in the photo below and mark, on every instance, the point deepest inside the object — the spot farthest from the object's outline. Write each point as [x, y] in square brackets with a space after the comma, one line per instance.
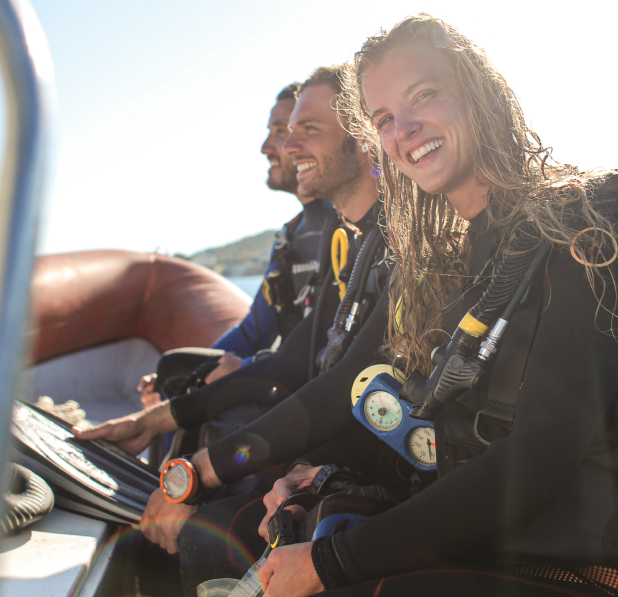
[181, 484]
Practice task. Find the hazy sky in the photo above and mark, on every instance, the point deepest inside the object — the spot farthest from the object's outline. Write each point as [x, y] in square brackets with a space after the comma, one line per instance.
[162, 104]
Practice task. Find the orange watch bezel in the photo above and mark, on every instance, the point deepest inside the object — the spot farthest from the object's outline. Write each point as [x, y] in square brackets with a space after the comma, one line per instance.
[193, 480]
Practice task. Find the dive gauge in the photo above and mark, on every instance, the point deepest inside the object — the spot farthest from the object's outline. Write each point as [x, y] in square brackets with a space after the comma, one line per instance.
[384, 414]
[382, 410]
[422, 445]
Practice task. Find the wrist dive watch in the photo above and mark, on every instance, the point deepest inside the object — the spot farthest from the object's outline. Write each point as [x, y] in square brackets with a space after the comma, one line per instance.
[181, 484]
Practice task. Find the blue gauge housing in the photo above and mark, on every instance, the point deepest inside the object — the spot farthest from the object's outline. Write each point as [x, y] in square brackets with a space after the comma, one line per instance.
[396, 438]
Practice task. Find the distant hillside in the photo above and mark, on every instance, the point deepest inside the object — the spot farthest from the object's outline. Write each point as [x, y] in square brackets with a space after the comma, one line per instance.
[245, 257]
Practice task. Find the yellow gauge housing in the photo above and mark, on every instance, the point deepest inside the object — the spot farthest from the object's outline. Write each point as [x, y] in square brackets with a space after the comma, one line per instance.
[366, 376]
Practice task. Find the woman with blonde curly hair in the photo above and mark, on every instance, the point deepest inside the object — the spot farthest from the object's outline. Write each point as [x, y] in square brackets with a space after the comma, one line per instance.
[525, 499]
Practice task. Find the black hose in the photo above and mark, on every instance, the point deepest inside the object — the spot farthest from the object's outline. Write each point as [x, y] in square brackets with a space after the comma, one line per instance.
[375, 240]
[340, 335]
[354, 285]
[507, 279]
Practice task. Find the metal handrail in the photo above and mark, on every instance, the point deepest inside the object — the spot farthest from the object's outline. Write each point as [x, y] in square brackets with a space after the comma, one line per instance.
[27, 72]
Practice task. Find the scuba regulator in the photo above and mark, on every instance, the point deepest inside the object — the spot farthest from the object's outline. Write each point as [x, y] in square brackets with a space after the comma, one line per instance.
[346, 322]
[461, 365]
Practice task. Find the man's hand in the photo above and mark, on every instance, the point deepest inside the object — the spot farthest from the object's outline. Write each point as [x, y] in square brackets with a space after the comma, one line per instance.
[146, 386]
[298, 478]
[162, 521]
[289, 572]
[227, 363]
[132, 433]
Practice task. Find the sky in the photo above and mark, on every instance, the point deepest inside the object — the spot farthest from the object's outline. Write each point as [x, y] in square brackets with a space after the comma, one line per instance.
[162, 104]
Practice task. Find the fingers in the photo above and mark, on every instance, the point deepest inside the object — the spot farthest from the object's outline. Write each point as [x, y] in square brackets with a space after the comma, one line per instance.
[98, 432]
[227, 363]
[265, 573]
[150, 398]
[263, 528]
[215, 374]
[146, 383]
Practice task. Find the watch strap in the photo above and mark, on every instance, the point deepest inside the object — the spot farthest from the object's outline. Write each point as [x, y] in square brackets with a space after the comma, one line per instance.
[327, 471]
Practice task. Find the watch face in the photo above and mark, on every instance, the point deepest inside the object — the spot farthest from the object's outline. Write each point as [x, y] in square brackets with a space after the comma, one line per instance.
[176, 481]
[422, 445]
[382, 410]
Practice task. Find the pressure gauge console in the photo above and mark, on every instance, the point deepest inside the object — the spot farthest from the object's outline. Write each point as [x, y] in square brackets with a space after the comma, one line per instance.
[384, 414]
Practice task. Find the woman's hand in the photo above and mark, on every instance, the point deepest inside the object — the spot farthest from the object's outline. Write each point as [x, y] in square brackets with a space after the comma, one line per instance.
[298, 478]
[289, 572]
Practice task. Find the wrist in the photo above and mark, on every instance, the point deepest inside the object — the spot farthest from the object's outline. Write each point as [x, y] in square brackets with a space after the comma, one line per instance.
[158, 418]
[203, 466]
[302, 475]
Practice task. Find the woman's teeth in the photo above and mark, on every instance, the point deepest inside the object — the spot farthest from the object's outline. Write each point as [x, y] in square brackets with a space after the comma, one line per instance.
[425, 149]
[306, 166]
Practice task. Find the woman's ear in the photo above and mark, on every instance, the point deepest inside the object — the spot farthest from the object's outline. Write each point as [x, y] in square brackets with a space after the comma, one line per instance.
[366, 146]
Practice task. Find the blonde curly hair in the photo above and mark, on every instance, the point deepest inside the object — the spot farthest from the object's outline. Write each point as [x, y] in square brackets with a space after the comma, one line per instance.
[429, 239]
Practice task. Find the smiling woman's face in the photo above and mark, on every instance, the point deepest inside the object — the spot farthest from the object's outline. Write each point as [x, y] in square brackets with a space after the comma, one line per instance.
[415, 107]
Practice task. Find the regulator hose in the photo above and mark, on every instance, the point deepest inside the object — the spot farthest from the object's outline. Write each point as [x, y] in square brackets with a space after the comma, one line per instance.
[27, 500]
[354, 285]
[508, 277]
[341, 333]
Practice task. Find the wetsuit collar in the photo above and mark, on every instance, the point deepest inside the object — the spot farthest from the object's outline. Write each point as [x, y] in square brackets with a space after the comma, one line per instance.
[315, 212]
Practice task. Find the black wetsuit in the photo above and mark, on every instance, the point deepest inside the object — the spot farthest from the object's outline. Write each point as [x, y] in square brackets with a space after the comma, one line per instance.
[270, 380]
[206, 555]
[508, 496]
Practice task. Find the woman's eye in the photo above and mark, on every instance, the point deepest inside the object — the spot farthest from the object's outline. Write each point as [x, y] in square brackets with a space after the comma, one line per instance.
[425, 96]
[382, 122]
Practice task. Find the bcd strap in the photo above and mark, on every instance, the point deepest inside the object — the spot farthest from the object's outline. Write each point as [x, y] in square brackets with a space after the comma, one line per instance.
[339, 256]
[510, 366]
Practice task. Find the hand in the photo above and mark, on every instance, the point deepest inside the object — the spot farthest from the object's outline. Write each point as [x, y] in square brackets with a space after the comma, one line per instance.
[162, 521]
[132, 433]
[146, 386]
[289, 572]
[298, 478]
[227, 363]
[147, 382]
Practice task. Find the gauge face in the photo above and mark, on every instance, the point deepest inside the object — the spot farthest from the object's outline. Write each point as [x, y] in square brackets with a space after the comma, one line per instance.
[382, 410]
[422, 445]
[176, 481]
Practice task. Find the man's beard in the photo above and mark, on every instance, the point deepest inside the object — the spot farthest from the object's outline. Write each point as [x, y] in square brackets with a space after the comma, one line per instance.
[339, 177]
[287, 182]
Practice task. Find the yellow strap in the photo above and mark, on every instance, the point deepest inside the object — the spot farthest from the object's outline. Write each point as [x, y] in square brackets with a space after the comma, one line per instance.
[471, 325]
[266, 286]
[266, 292]
[339, 257]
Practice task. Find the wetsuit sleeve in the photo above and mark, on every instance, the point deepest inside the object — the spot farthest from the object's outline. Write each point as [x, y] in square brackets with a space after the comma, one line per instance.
[286, 370]
[568, 388]
[313, 415]
[257, 330]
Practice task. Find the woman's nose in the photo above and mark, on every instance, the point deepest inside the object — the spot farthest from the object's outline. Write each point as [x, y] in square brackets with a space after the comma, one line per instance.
[406, 128]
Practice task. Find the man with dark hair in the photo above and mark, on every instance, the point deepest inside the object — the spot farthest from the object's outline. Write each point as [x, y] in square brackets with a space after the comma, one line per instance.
[273, 312]
[332, 166]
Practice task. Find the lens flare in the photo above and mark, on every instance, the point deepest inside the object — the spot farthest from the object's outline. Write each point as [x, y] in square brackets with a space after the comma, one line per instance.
[376, 170]
[242, 455]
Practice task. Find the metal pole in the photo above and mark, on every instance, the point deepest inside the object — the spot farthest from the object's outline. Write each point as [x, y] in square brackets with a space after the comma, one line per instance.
[28, 77]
